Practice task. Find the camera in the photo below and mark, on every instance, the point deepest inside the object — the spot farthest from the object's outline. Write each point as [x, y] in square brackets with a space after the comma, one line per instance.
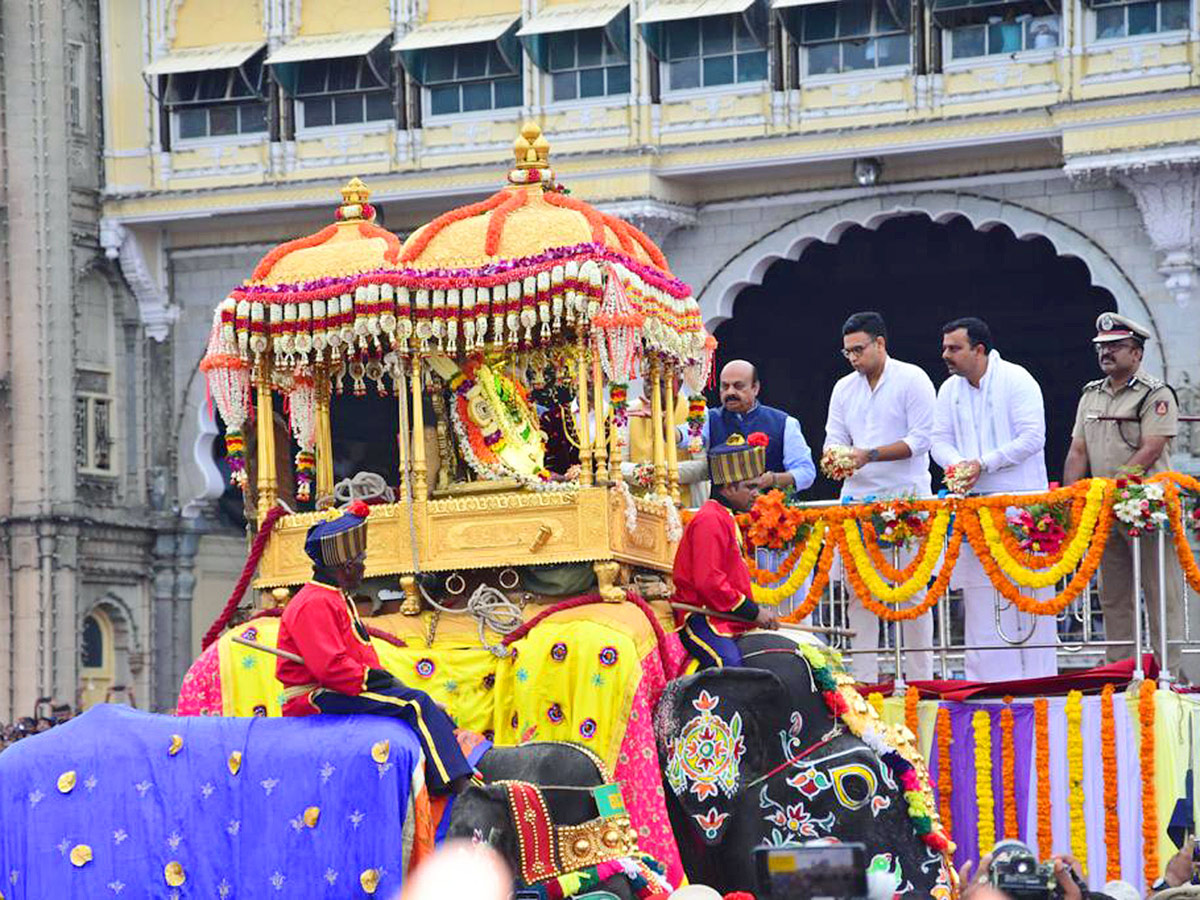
[812, 871]
[1016, 873]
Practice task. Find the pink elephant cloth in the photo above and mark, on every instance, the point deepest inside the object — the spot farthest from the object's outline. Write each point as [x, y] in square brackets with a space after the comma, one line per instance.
[200, 693]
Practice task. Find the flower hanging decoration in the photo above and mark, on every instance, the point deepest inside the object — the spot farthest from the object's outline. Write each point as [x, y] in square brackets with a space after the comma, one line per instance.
[618, 399]
[1045, 819]
[896, 523]
[697, 411]
[1139, 505]
[837, 462]
[616, 332]
[1040, 528]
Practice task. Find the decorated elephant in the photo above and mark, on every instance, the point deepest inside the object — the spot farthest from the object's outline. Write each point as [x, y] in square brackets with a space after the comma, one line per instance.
[788, 752]
[553, 813]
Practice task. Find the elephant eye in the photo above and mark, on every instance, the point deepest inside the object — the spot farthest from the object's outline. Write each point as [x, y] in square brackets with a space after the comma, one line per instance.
[854, 785]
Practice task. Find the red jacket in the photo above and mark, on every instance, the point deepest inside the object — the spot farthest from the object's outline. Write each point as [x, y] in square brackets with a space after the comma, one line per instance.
[710, 571]
[321, 625]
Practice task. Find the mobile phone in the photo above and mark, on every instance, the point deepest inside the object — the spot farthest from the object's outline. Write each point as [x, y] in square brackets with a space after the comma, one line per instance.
[810, 872]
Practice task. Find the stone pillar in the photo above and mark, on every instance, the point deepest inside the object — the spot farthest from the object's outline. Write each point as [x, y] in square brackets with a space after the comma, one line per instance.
[1168, 196]
[174, 557]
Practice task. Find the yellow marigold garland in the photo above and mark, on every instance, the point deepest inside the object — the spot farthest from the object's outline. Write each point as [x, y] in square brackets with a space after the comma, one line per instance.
[1074, 715]
[1045, 821]
[1149, 809]
[945, 784]
[876, 700]
[985, 800]
[1108, 754]
[880, 589]
[1071, 556]
[1009, 767]
[773, 595]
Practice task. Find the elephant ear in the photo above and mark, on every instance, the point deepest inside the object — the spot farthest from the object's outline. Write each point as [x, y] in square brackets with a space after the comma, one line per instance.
[714, 727]
[481, 813]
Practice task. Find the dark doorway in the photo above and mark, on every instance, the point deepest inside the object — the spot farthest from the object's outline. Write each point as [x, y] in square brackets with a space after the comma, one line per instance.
[919, 274]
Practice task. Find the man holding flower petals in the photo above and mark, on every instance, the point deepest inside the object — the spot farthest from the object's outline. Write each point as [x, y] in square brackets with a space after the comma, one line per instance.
[883, 413]
[990, 420]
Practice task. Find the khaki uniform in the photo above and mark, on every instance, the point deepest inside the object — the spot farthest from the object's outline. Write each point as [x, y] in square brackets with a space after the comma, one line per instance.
[1109, 446]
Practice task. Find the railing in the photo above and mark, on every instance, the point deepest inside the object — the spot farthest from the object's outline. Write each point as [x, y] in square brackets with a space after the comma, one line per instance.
[817, 582]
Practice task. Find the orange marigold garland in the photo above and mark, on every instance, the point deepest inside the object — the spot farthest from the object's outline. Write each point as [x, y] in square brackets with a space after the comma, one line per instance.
[817, 588]
[1108, 754]
[1045, 822]
[912, 696]
[945, 783]
[1182, 549]
[932, 595]
[495, 227]
[880, 560]
[1046, 560]
[1009, 771]
[267, 263]
[430, 231]
[1149, 809]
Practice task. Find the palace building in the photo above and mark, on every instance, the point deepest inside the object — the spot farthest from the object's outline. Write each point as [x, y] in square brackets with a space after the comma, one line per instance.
[1028, 161]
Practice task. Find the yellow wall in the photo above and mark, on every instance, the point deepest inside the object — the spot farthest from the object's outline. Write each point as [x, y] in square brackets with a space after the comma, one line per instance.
[199, 23]
[443, 10]
[332, 16]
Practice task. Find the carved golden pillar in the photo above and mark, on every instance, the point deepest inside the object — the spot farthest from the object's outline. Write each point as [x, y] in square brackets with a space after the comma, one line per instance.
[403, 429]
[583, 432]
[420, 488]
[324, 439]
[656, 427]
[671, 438]
[266, 489]
[598, 406]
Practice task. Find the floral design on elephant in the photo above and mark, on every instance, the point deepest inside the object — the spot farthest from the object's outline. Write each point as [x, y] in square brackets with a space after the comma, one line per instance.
[710, 823]
[705, 757]
[810, 781]
[791, 821]
[888, 866]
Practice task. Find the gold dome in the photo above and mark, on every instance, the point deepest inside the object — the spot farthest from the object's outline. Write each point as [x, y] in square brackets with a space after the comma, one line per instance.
[525, 219]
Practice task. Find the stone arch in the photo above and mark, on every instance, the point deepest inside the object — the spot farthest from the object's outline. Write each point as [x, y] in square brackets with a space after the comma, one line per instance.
[124, 640]
[789, 240]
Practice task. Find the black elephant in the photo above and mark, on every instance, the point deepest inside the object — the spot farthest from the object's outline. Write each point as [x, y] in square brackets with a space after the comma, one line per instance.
[565, 775]
[755, 757]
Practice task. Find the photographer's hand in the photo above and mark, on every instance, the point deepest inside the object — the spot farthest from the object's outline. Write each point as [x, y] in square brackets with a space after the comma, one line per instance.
[1064, 864]
[982, 876]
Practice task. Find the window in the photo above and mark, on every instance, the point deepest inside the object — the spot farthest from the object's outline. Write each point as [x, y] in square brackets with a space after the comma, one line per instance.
[471, 78]
[218, 103]
[94, 443]
[1117, 19]
[76, 88]
[585, 64]
[1005, 36]
[851, 35]
[91, 644]
[344, 91]
[712, 51]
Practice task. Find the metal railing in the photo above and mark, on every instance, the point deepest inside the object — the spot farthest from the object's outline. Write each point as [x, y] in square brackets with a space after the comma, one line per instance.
[1080, 640]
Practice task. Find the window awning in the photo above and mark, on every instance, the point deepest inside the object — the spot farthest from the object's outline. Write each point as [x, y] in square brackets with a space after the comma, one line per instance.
[329, 46]
[957, 13]
[573, 17]
[204, 59]
[674, 10]
[474, 30]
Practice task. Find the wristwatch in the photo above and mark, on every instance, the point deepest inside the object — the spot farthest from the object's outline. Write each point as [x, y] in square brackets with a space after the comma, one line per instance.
[873, 454]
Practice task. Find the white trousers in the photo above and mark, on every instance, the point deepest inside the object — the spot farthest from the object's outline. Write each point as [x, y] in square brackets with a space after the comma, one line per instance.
[918, 632]
[980, 603]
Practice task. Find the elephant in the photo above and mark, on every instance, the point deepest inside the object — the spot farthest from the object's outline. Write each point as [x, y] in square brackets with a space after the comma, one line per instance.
[482, 811]
[729, 739]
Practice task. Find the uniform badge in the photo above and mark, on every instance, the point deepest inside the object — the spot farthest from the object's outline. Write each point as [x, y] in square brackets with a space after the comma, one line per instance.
[1160, 408]
[1106, 322]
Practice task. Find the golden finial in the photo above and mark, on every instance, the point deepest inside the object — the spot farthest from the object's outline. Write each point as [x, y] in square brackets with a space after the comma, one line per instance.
[355, 202]
[531, 149]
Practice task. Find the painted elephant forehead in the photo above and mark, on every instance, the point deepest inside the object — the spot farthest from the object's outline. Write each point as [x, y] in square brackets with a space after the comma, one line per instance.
[705, 757]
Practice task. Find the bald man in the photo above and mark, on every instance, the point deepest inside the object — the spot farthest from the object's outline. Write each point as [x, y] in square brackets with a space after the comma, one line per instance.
[789, 461]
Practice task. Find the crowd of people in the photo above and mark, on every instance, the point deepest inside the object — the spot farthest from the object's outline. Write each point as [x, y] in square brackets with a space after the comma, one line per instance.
[45, 717]
[987, 420]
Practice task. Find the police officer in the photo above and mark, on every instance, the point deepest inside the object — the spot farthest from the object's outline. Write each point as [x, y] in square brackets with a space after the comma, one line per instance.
[1127, 419]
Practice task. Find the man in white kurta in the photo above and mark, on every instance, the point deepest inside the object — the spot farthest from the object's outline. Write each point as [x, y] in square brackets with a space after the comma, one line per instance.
[884, 411]
[990, 417]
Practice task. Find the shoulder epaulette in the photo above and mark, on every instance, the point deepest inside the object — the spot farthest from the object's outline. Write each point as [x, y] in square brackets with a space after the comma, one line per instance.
[1093, 385]
[1150, 381]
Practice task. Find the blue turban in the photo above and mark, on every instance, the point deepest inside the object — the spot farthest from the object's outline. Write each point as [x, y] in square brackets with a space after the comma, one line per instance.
[338, 539]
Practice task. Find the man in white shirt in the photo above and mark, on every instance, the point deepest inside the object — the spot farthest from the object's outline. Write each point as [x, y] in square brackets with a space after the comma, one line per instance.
[990, 418]
[884, 411]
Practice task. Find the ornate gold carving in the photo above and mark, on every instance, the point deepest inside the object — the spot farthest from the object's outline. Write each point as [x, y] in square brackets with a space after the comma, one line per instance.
[412, 600]
[606, 576]
[539, 541]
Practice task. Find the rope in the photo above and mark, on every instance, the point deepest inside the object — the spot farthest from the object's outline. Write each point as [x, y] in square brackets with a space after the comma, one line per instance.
[239, 590]
[492, 609]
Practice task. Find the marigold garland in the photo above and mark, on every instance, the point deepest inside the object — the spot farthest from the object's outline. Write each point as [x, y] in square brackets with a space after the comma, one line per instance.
[774, 594]
[880, 560]
[912, 696]
[816, 589]
[1075, 795]
[945, 776]
[876, 700]
[1045, 821]
[1182, 549]
[1009, 771]
[1146, 712]
[1108, 754]
[1045, 560]
[981, 721]
[880, 589]
[932, 595]
[430, 231]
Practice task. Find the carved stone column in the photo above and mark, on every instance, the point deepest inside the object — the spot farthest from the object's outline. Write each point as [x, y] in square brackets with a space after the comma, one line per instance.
[1168, 196]
[145, 280]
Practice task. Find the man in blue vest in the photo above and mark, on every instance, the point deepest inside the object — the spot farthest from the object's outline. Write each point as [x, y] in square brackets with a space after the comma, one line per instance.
[789, 461]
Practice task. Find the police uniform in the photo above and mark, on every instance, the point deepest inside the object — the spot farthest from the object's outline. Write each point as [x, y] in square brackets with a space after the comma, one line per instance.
[341, 673]
[1112, 419]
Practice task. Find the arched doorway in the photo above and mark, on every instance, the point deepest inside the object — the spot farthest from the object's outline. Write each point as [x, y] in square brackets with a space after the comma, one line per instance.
[918, 273]
[97, 649]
